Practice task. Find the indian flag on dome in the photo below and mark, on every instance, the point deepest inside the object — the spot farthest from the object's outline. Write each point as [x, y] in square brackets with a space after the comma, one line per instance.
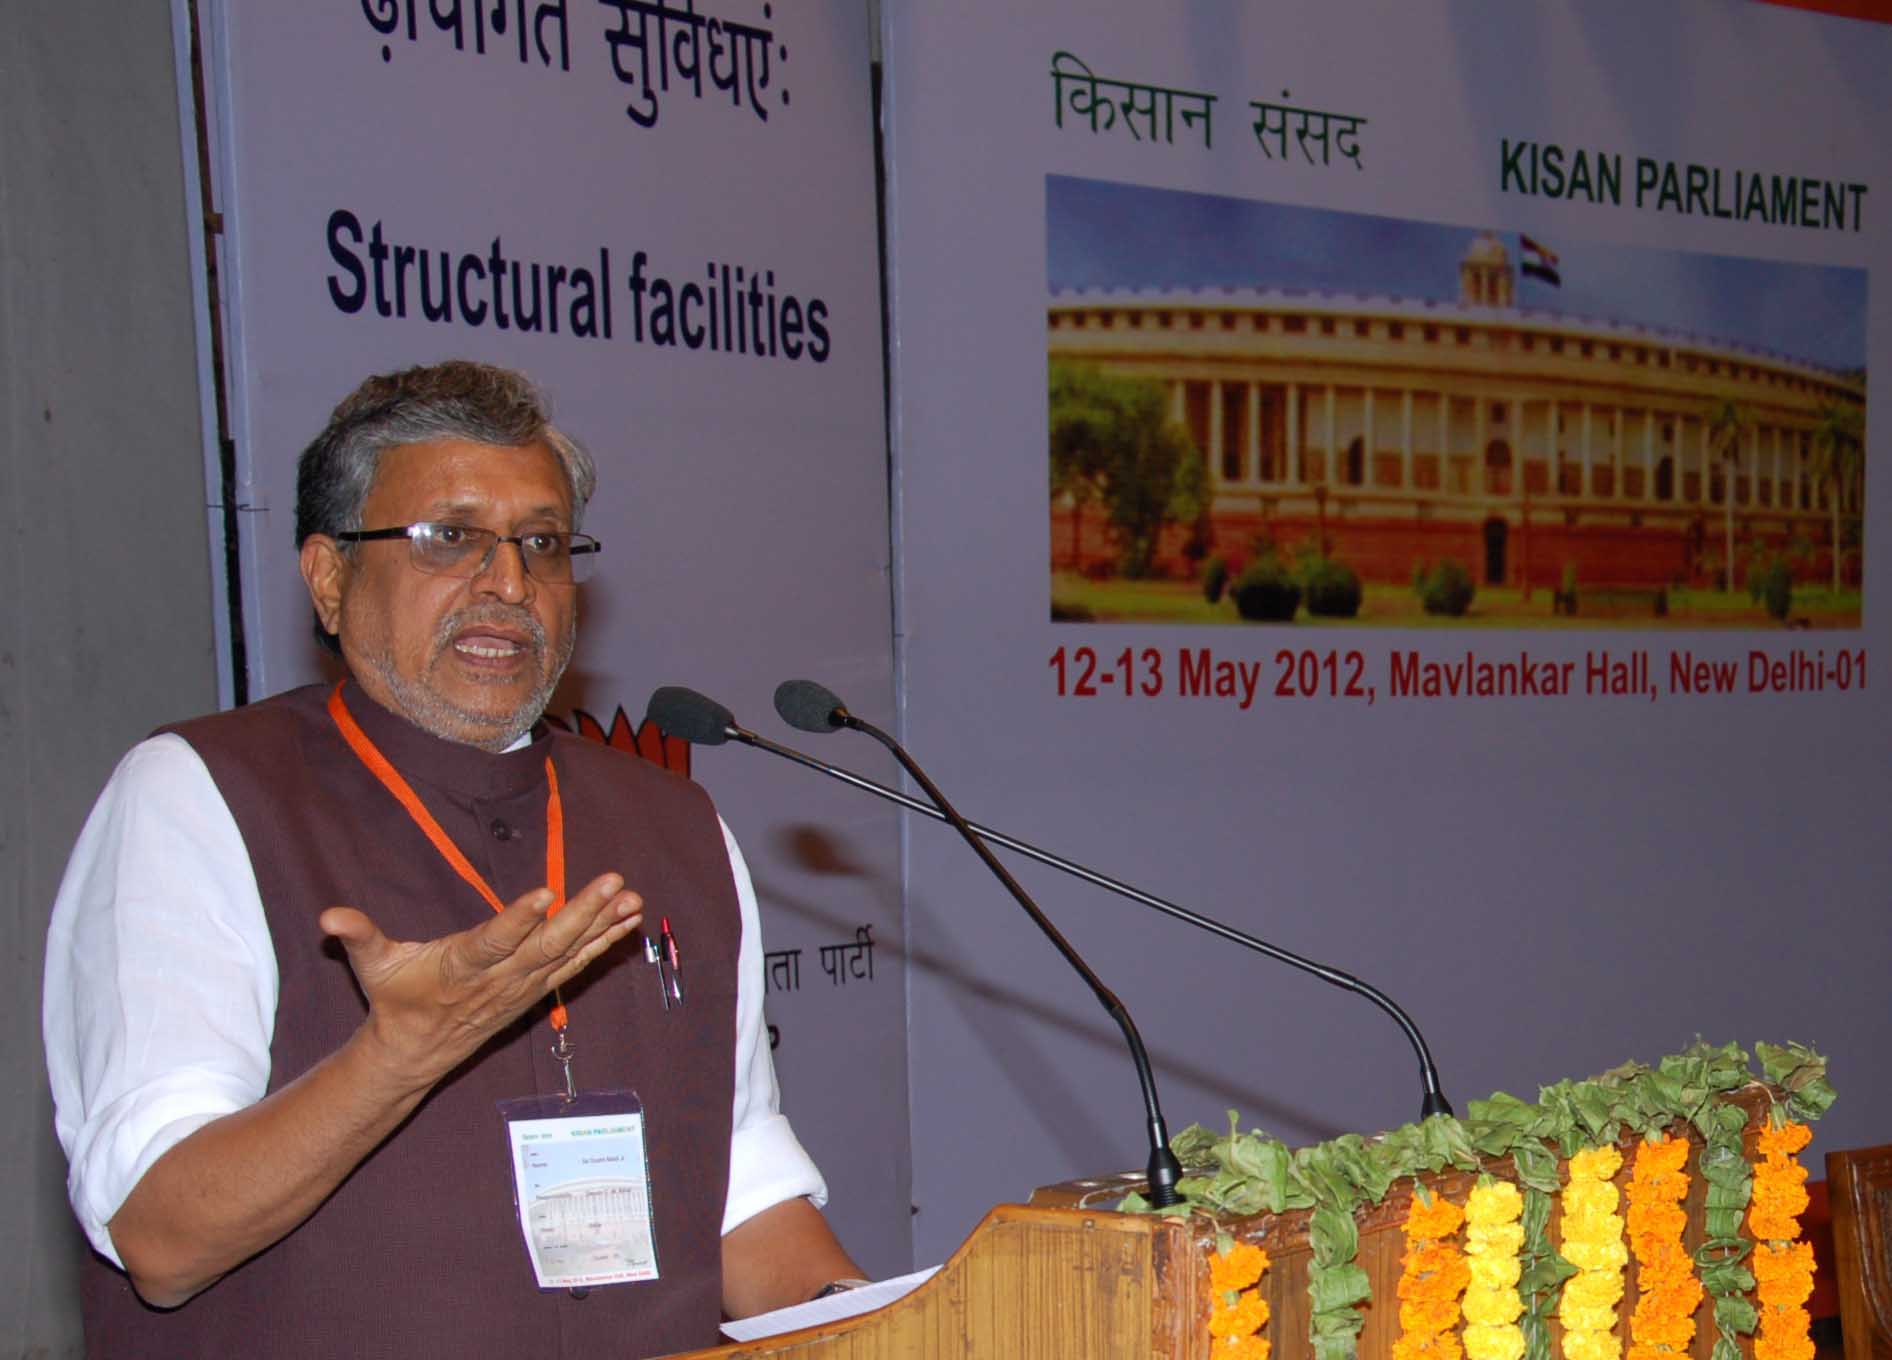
[1538, 261]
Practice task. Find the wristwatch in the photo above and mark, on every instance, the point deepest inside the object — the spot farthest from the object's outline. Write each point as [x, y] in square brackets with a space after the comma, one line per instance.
[833, 1287]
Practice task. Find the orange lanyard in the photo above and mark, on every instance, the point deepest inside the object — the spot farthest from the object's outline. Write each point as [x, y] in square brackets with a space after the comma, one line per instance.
[379, 766]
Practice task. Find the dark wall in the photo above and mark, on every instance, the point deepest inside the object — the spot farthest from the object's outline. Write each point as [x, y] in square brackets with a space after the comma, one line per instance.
[105, 614]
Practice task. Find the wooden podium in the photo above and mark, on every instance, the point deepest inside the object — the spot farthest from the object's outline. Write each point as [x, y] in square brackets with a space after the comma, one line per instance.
[1032, 1283]
[1066, 1278]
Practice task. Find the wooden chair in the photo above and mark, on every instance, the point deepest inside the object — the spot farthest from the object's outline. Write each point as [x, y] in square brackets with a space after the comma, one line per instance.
[1859, 1188]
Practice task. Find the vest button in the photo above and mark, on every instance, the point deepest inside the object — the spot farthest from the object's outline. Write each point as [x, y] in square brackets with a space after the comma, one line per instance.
[501, 832]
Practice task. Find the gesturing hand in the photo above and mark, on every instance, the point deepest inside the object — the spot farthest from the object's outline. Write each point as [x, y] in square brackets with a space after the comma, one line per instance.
[431, 1003]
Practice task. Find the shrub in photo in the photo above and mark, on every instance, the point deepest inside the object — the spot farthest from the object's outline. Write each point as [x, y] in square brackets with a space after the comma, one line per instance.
[1332, 588]
[1445, 588]
[1266, 591]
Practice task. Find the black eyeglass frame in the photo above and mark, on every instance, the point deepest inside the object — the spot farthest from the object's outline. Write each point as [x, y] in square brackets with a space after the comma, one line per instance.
[577, 545]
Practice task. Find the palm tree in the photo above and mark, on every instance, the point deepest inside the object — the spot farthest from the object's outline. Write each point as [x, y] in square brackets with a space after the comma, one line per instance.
[1838, 449]
[1728, 425]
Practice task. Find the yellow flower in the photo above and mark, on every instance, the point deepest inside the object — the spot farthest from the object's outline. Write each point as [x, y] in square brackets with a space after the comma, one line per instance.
[1589, 1199]
[1503, 1238]
[1596, 1164]
[1491, 1307]
[1586, 1318]
[1591, 1345]
[1495, 1272]
[1593, 1255]
[1493, 1202]
[1593, 1242]
[1494, 1343]
[1593, 1289]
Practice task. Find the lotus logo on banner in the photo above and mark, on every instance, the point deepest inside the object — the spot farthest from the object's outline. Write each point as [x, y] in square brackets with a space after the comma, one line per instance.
[648, 740]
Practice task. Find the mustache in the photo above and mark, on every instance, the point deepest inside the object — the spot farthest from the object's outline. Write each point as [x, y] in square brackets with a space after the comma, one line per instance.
[513, 618]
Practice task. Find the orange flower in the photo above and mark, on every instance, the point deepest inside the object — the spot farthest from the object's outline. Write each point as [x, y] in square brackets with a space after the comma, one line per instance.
[1786, 1140]
[1783, 1266]
[1239, 1311]
[1654, 1160]
[1783, 1274]
[1242, 1348]
[1790, 1341]
[1664, 1321]
[1435, 1346]
[1421, 1318]
[1434, 1221]
[1435, 1274]
[1247, 1316]
[1240, 1268]
[1780, 1197]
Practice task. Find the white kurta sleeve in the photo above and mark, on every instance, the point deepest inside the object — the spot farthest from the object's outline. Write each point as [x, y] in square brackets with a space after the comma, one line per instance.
[767, 1163]
[160, 995]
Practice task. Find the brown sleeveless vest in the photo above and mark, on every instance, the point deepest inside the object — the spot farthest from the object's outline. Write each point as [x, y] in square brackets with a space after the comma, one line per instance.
[419, 1252]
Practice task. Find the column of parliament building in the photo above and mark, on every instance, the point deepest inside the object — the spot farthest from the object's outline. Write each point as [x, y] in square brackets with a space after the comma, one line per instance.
[1523, 444]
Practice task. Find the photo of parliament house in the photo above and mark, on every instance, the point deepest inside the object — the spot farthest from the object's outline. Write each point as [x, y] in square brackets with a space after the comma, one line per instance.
[1532, 447]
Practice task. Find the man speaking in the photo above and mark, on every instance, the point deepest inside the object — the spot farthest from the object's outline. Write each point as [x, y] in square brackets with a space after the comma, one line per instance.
[356, 1037]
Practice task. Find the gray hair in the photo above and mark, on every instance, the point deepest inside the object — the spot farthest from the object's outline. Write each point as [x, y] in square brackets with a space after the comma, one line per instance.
[457, 399]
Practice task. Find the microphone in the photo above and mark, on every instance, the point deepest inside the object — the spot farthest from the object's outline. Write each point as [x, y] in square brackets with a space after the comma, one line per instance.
[809, 707]
[687, 711]
[812, 708]
[696, 718]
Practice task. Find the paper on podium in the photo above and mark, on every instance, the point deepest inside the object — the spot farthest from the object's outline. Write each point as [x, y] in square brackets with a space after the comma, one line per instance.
[848, 1303]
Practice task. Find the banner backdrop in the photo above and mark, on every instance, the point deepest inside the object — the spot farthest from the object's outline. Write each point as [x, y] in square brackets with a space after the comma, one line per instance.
[667, 217]
[1395, 479]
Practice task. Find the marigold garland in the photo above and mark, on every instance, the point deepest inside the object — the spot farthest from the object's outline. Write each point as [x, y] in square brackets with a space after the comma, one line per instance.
[1783, 1265]
[1240, 1311]
[1436, 1274]
[1493, 1237]
[1664, 1321]
[1593, 1243]
[1250, 1174]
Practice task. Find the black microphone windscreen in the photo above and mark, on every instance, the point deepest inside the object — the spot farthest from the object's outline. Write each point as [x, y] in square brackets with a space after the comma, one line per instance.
[695, 717]
[807, 706]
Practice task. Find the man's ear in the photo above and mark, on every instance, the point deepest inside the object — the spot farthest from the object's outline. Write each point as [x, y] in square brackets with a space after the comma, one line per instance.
[325, 572]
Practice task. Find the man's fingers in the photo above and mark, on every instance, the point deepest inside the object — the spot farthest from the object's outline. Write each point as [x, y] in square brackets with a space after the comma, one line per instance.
[359, 935]
[602, 903]
[530, 936]
[500, 937]
[371, 954]
[593, 949]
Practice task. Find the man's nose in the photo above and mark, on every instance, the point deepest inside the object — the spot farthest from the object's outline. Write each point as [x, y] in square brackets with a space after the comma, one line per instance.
[504, 573]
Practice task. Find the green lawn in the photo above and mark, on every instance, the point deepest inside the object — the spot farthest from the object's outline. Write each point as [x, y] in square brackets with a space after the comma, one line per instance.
[1387, 606]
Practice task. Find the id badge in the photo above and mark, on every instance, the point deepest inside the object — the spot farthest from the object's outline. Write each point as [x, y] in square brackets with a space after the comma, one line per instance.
[581, 1182]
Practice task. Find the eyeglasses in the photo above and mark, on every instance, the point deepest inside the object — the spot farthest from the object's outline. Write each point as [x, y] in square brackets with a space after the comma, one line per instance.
[463, 551]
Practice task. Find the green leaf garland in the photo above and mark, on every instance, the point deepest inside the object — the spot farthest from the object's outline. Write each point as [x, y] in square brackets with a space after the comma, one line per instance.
[1244, 1174]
